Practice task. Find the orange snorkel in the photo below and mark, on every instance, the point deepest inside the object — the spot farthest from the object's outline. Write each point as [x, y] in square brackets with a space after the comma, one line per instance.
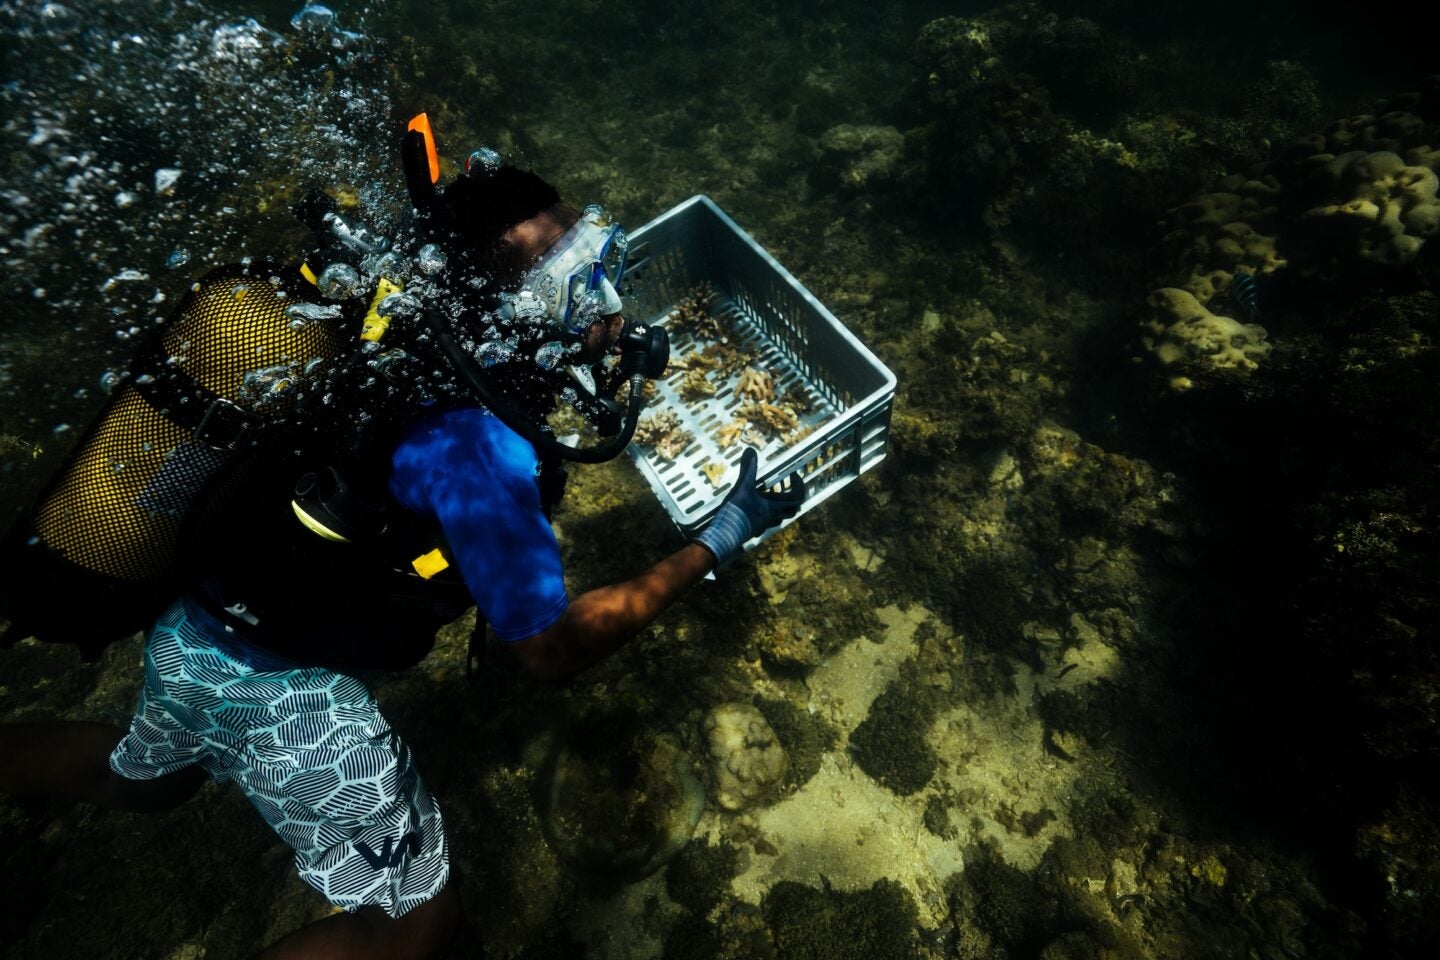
[421, 162]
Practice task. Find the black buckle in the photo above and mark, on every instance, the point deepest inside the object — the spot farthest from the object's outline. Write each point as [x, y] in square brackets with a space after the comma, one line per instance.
[224, 424]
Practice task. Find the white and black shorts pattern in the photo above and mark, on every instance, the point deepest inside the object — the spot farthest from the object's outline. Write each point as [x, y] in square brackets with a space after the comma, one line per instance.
[309, 748]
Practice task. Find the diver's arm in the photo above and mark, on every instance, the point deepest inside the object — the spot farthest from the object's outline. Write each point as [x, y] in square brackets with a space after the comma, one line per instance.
[599, 621]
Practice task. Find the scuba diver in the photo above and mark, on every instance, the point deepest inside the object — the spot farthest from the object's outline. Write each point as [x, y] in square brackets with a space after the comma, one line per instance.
[408, 479]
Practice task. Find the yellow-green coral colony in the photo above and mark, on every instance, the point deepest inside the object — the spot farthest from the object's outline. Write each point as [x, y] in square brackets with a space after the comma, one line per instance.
[1361, 197]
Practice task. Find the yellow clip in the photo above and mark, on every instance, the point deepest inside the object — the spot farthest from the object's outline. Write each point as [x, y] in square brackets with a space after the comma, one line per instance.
[376, 325]
[309, 274]
[427, 565]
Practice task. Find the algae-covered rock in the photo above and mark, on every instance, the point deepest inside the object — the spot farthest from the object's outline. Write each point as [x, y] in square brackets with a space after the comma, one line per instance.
[1403, 846]
[891, 744]
[826, 924]
[806, 737]
[983, 386]
[739, 934]
[1075, 945]
[747, 761]
[859, 157]
[699, 878]
[1006, 906]
[990, 118]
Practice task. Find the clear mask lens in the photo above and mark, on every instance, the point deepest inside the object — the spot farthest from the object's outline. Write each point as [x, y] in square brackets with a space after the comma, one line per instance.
[612, 256]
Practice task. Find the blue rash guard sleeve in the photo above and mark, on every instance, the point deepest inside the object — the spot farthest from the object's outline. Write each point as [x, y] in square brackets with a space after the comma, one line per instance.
[476, 477]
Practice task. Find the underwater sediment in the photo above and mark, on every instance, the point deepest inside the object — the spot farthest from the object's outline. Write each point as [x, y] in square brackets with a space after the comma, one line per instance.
[1128, 648]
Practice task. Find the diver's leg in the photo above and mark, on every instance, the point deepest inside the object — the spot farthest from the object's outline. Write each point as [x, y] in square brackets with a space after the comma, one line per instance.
[341, 787]
[69, 762]
[371, 933]
[313, 754]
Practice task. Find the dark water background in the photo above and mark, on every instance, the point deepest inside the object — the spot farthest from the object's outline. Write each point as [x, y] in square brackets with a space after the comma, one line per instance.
[1273, 711]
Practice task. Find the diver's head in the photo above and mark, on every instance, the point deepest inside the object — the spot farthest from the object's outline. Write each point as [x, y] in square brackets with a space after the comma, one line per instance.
[473, 217]
[548, 279]
[509, 235]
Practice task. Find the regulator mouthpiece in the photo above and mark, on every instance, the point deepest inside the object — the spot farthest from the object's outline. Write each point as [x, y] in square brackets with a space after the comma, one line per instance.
[644, 349]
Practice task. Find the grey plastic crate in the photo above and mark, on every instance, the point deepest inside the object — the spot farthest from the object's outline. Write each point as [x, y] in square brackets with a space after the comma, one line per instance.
[796, 338]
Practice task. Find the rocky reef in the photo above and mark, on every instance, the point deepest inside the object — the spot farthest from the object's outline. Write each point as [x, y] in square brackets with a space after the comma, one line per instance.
[1350, 206]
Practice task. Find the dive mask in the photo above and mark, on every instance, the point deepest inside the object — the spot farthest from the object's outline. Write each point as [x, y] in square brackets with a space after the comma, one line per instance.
[576, 278]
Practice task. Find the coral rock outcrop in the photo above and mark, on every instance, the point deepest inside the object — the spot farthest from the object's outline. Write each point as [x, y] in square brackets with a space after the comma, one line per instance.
[1356, 201]
[1181, 328]
[746, 758]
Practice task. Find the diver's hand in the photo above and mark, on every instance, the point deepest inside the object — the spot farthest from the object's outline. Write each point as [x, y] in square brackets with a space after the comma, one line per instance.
[748, 511]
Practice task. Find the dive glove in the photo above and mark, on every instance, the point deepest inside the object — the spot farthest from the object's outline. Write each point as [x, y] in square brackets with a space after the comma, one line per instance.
[748, 511]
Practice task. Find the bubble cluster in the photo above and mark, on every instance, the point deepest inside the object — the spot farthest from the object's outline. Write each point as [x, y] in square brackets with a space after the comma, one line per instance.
[399, 305]
[430, 259]
[549, 355]
[266, 386]
[493, 353]
[303, 314]
[147, 141]
[339, 281]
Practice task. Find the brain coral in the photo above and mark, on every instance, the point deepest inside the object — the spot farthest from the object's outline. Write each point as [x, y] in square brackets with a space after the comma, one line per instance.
[1355, 201]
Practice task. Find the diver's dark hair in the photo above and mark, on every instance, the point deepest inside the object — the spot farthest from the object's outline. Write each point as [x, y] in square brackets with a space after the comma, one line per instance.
[476, 210]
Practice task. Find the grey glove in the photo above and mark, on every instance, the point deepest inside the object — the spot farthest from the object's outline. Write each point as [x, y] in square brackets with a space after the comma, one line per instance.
[748, 511]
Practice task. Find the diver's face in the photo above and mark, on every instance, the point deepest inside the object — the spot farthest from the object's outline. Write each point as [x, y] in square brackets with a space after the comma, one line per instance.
[603, 337]
[531, 239]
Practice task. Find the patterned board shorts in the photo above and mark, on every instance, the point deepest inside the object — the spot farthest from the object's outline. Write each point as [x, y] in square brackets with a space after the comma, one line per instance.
[309, 748]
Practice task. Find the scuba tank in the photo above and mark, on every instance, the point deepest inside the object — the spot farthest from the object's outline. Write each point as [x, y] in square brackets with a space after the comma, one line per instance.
[103, 550]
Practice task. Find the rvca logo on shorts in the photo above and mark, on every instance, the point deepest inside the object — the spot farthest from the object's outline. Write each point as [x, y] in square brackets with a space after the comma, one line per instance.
[389, 855]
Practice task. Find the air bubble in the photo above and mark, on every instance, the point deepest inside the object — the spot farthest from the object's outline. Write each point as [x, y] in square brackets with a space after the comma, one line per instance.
[57, 21]
[339, 281]
[495, 352]
[487, 160]
[304, 314]
[549, 355]
[392, 265]
[387, 363]
[431, 259]
[398, 305]
[313, 18]
[165, 179]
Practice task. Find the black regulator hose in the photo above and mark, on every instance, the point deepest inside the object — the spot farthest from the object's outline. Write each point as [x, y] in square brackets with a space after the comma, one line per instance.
[516, 420]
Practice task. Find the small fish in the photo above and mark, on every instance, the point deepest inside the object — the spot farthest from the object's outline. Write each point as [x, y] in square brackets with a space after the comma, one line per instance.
[1245, 288]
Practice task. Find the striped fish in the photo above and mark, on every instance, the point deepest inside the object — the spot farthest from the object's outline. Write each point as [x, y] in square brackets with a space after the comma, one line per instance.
[1245, 288]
